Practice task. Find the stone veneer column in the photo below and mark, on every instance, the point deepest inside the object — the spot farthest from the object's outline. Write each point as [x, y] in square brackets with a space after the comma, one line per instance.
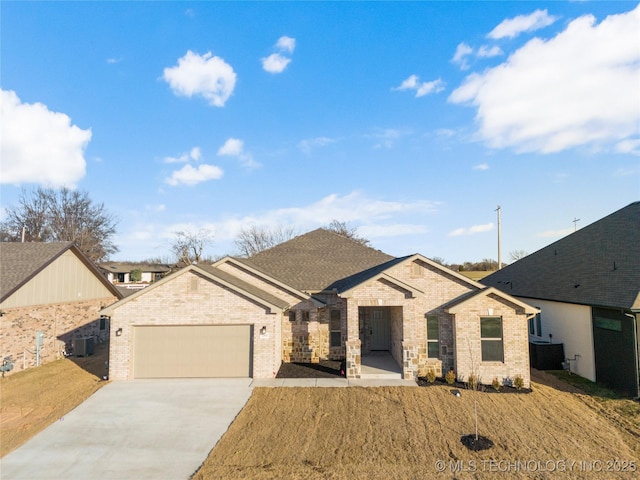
[410, 360]
[353, 358]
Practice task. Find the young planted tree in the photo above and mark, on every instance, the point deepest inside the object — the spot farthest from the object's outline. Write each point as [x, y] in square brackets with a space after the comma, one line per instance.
[58, 215]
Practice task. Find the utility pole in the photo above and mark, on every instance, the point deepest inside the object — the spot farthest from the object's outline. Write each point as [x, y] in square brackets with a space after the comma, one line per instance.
[499, 245]
[575, 224]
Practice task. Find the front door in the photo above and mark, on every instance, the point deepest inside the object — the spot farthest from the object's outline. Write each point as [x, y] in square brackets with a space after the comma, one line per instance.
[380, 329]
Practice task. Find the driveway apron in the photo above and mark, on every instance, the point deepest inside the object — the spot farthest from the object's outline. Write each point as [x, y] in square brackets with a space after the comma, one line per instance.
[143, 429]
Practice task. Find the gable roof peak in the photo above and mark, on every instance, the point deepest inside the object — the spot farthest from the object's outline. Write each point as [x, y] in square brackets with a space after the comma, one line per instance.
[312, 261]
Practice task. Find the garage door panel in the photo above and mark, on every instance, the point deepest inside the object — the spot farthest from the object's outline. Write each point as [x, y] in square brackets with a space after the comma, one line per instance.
[192, 351]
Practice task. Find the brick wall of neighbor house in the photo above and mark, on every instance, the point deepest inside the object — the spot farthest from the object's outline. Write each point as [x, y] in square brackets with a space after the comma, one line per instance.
[60, 323]
[177, 303]
[468, 342]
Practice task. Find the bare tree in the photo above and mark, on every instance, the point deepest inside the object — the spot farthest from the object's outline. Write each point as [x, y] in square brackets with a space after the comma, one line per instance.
[344, 229]
[253, 239]
[188, 247]
[517, 254]
[49, 215]
[439, 261]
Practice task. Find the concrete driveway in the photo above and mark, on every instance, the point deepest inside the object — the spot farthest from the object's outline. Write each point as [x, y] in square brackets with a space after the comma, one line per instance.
[144, 429]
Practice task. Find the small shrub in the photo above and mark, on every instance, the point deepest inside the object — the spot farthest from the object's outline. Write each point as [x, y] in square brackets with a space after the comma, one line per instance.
[518, 382]
[472, 382]
[450, 377]
[431, 375]
[496, 384]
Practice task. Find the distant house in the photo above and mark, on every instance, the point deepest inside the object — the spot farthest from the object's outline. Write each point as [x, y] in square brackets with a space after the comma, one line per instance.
[587, 286]
[120, 273]
[50, 293]
[318, 296]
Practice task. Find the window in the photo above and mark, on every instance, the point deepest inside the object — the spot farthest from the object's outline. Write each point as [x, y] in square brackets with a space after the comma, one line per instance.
[103, 323]
[292, 315]
[305, 315]
[335, 329]
[433, 336]
[535, 325]
[491, 338]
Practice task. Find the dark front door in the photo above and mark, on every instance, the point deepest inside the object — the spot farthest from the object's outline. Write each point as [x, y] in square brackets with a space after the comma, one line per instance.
[380, 329]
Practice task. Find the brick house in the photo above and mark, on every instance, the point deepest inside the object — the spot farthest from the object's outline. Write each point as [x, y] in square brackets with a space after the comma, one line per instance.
[318, 296]
[51, 291]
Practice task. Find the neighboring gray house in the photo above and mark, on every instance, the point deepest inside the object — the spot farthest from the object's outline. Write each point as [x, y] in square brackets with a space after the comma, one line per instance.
[587, 286]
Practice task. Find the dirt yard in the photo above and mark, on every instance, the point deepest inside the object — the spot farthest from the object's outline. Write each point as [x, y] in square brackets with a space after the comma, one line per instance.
[406, 433]
[33, 399]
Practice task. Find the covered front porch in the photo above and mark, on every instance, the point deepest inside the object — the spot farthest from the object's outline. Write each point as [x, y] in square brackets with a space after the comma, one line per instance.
[379, 350]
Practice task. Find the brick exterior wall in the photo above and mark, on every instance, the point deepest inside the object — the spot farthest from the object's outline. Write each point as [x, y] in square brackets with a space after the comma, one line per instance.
[176, 302]
[60, 324]
[515, 335]
[296, 339]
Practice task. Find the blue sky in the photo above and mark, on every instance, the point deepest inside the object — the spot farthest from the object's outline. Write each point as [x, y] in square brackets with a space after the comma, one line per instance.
[412, 121]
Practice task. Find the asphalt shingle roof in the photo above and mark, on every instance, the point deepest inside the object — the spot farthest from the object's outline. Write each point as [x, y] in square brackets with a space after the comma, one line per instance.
[316, 260]
[20, 261]
[597, 265]
[242, 285]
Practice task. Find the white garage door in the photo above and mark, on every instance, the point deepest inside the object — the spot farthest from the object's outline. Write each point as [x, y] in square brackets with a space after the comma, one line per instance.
[175, 351]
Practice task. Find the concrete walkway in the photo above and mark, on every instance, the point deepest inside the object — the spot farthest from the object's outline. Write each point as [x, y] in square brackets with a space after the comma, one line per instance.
[333, 382]
[143, 429]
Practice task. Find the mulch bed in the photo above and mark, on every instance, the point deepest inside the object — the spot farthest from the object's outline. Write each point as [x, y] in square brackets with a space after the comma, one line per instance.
[461, 386]
[476, 444]
[324, 369]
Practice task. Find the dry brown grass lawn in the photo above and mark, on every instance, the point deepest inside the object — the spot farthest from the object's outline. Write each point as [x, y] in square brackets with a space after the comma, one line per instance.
[400, 433]
[33, 399]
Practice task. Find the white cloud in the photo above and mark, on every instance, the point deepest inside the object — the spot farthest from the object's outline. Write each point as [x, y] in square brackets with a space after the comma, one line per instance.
[38, 145]
[275, 63]
[205, 75]
[114, 60]
[234, 147]
[460, 56]
[310, 143]
[189, 175]
[355, 207]
[286, 44]
[488, 52]
[512, 27]
[627, 172]
[578, 88]
[481, 166]
[194, 154]
[421, 88]
[391, 230]
[386, 138]
[487, 227]
[555, 233]
[629, 145]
